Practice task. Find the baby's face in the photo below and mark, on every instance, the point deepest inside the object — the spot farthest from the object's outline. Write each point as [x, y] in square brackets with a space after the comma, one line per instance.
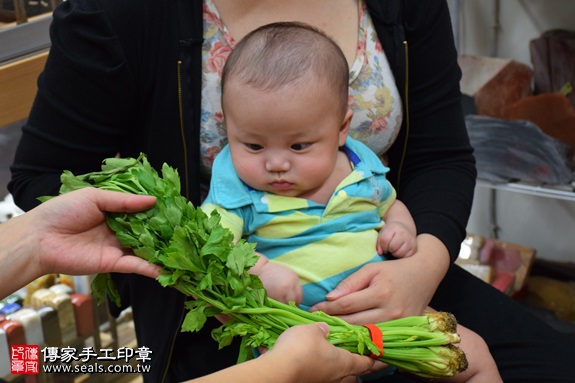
[284, 141]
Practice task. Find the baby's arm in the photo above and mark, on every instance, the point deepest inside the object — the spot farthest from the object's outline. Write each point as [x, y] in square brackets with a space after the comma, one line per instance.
[281, 282]
[482, 367]
[398, 234]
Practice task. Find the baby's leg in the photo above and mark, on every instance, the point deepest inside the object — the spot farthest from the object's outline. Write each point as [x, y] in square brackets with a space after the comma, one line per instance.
[350, 379]
[482, 367]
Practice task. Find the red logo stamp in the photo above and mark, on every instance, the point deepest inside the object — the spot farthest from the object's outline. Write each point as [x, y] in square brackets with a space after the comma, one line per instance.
[25, 359]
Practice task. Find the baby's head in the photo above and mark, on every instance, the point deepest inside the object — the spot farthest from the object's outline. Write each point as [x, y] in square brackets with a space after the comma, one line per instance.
[289, 54]
[285, 103]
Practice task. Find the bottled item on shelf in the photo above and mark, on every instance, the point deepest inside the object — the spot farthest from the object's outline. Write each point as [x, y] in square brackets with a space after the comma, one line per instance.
[43, 282]
[79, 283]
[84, 314]
[4, 354]
[10, 308]
[63, 306]
[32, 323]
[14, 331]
[50, 326]
[13, 298]
[61, 288]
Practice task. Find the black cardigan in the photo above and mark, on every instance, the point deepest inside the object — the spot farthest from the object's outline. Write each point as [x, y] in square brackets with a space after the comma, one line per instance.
[123, 76]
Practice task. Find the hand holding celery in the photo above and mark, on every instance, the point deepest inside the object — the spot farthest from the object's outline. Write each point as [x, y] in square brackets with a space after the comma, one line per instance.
[199, 257]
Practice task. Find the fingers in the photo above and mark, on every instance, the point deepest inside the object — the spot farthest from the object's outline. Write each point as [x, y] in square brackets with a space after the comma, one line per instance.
[281, 282]
[324, 328]
[362, 365]
[384, 240]
[358, 302]
[403, 251]
[399, 244]
[361, 297]
[121, 202]
[315, 358]
[355, 282]
[133, 264]
[86, 207]
[296, 295]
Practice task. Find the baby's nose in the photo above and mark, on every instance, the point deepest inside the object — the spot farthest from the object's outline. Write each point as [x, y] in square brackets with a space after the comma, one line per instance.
[277, 164]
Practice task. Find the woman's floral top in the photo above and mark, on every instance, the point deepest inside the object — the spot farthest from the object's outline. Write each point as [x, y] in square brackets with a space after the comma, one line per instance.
[373, 98]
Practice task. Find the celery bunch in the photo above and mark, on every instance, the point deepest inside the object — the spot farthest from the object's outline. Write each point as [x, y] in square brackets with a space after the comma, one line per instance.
[199, 257]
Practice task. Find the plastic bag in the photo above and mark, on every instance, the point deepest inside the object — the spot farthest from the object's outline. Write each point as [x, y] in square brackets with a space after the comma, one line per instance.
[511, 150]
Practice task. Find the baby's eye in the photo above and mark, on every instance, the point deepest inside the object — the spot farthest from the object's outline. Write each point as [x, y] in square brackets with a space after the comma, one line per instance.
[299, 147]
[254, 147]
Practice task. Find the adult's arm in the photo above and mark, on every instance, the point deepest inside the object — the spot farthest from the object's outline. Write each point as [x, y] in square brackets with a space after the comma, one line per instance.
[433, 171]
[82, 103]
[435, 177]
[102, 92]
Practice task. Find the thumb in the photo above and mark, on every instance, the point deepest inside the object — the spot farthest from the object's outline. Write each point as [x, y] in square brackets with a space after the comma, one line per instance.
[324, 327]
[362, 365]
[355, 282]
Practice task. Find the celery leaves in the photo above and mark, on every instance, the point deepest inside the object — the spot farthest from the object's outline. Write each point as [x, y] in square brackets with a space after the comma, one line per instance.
[200, 258]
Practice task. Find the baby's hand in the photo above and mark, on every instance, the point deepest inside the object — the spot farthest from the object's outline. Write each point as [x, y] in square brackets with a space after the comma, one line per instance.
[281, 282]
[395, 238]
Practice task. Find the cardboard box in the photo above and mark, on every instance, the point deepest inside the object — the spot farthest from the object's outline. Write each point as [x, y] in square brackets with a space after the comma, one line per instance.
[504, 265]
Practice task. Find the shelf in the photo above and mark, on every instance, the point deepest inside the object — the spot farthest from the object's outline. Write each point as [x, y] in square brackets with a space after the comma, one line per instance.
[561, 192]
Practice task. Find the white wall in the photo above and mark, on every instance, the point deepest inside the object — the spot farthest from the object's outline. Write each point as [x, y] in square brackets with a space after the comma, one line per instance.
[506, 33]
[546, 224]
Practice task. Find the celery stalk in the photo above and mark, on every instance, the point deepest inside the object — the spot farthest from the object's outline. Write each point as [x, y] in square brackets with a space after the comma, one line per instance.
[199, 257]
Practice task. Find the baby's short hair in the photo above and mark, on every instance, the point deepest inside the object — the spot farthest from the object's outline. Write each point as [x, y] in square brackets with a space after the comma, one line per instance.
[283, 53]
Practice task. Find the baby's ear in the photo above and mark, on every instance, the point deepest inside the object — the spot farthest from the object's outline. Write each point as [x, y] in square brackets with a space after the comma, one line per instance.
[344, 127]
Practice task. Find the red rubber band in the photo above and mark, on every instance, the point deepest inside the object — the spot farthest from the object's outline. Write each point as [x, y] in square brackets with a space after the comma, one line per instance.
[376, 338]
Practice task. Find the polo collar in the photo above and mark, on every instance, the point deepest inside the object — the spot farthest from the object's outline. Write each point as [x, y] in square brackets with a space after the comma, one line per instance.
[231, 192]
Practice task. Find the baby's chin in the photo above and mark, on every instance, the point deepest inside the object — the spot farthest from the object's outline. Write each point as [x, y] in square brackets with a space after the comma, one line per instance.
[283, 191]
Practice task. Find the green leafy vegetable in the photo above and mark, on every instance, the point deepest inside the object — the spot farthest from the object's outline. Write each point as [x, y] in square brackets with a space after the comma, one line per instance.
[199, 258]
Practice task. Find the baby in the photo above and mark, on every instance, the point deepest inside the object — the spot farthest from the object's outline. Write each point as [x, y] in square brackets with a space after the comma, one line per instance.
[315, 201]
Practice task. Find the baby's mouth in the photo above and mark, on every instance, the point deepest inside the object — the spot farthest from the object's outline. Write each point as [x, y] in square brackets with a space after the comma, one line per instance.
[281, 184]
